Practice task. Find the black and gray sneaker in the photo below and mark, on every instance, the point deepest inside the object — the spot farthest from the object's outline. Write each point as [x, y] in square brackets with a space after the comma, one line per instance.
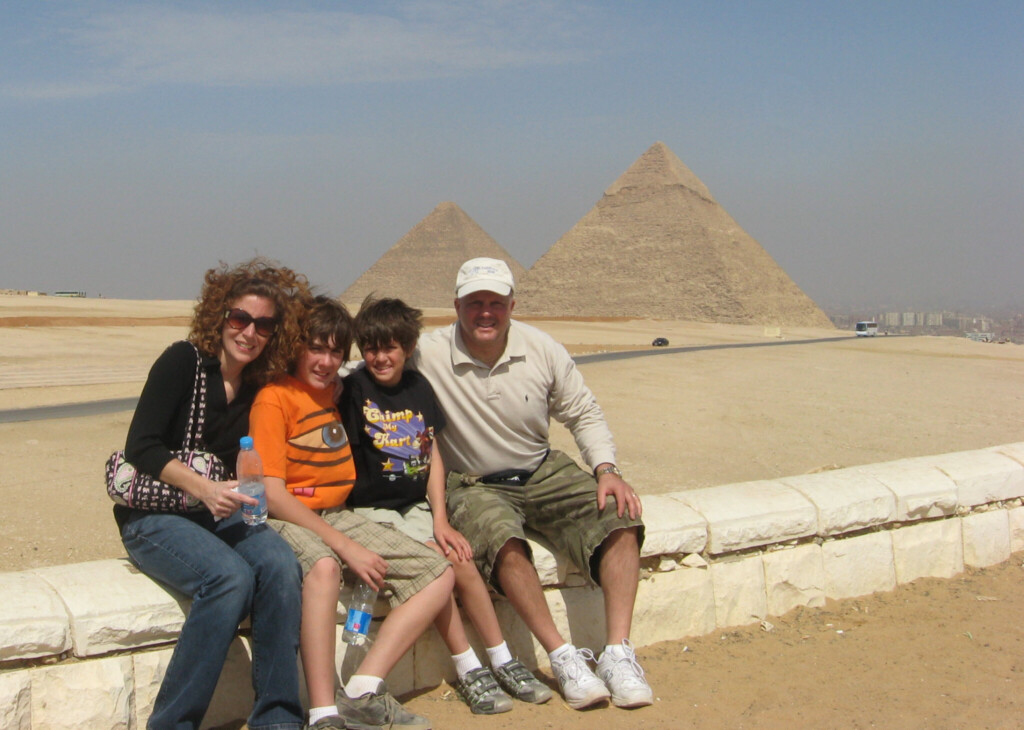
[519, 682]
[479, 689]
[378, 710]
[331, 722]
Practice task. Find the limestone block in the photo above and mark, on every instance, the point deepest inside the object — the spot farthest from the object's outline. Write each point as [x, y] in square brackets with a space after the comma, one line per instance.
[114, 606]
[928, 550]
[846, 499]
[986, 538]
[673, 606]
[750, 514]
[739, 591]
[983, 476]
[33, 621]
[793, 577]
[671, 528]
[921, 489]
[232, 699]
[148, 668]
[95, 693]
[578, 614]
[1014, 451]
[1016, 516]
[857, 566]
[16, 700]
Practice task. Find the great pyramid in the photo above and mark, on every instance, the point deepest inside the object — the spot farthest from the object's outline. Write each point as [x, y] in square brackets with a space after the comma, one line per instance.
[421, 267]
[658, 245]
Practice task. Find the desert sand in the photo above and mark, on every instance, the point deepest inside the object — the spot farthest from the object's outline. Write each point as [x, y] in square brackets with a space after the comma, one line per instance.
[932, 654]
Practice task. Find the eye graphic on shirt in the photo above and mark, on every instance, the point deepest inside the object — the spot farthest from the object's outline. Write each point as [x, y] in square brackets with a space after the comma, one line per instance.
[334, 435]
[326, 438]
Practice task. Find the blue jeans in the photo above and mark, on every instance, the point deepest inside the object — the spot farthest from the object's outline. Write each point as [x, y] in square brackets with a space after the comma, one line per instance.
[230, 570]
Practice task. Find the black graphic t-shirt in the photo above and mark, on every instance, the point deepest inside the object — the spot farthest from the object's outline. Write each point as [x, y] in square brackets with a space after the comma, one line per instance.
[391, 431]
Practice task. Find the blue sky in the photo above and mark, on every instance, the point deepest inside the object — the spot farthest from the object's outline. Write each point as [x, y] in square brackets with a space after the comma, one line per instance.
[875, 149]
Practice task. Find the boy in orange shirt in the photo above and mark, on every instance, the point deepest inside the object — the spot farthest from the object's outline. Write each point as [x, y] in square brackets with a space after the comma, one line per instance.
[309, 473]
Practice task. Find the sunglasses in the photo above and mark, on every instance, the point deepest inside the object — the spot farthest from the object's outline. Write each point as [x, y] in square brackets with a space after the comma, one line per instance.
[239, 319]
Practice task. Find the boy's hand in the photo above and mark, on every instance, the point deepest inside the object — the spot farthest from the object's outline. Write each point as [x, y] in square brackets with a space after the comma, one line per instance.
[365, 563]
[449, 539]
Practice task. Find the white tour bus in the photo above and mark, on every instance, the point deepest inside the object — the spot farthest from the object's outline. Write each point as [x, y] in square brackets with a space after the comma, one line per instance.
[866, 329]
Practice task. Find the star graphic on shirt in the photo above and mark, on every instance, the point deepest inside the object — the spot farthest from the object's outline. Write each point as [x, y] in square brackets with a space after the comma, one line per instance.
[388, 465]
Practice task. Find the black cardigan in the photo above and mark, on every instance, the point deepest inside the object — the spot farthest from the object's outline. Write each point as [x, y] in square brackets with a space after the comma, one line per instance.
[161, 416]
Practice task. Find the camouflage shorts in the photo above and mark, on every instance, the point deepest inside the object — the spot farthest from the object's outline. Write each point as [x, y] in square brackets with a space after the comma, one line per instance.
[559, 501]
[412, 566]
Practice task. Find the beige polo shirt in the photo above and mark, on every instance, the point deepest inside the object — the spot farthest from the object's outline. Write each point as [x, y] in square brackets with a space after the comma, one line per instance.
[498, 417]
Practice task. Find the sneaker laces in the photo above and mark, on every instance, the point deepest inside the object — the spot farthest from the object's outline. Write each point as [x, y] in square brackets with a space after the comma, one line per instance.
[575, 665]
[626, 668]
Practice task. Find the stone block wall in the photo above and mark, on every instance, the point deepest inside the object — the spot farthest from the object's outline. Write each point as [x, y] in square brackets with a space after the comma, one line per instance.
[86, 645]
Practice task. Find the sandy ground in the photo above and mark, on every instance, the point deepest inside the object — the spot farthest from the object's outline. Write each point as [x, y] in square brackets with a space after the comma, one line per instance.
[932, 654]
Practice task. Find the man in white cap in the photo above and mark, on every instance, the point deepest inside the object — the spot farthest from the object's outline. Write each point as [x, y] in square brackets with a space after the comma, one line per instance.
[499, 381]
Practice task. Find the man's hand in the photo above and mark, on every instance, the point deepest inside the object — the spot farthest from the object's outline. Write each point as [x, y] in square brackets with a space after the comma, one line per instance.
[611, 484]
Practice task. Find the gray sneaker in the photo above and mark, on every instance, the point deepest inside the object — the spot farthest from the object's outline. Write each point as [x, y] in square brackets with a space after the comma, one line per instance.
[479, 689]
[519, 682]
[378, 710]
[331, 722]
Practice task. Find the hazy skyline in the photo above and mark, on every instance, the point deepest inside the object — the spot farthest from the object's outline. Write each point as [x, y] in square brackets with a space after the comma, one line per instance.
[874, 149]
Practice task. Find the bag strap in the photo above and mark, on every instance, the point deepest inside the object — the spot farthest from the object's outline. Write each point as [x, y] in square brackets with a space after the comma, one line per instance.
[197, 410]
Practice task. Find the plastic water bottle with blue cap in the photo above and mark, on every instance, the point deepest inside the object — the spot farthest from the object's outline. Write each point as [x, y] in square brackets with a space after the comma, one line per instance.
[250, 482]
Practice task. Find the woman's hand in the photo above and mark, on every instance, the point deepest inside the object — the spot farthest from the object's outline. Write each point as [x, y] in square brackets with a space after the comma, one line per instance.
[221, 500]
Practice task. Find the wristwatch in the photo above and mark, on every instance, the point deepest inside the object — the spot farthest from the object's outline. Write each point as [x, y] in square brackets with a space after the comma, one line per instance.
[610, 469]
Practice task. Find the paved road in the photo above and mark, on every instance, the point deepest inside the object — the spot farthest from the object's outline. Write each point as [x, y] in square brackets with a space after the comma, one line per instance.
[116, 405]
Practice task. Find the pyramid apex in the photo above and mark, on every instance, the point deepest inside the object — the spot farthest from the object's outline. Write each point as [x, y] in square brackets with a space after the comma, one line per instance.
[659, 167]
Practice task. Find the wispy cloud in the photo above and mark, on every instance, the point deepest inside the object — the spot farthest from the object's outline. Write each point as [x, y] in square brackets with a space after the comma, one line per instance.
[143, 45]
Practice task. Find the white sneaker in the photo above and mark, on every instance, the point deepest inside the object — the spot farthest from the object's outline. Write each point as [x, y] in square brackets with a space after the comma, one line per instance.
[580, 686]
[625, 678]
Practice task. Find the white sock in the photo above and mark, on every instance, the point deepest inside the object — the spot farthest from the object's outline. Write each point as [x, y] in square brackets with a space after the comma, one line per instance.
[560, 652]
[466, 662]
[499, 654]
[315, 713]
[361, 684]
[615, 650]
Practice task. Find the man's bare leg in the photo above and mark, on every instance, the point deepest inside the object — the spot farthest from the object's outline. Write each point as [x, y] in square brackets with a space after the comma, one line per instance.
[620, 573]
[521, 585]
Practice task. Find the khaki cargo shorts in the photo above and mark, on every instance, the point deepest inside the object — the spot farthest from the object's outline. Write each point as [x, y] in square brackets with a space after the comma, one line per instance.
[412, 566]
[559, 501]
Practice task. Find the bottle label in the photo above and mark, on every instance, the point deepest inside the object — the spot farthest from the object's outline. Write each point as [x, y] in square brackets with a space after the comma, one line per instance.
[358, 622]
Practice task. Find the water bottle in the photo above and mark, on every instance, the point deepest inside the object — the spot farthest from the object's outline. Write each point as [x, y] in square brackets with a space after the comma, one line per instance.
[360, 611]
[250, 482]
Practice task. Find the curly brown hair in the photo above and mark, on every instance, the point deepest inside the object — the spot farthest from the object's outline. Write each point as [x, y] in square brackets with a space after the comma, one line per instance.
[224, 286]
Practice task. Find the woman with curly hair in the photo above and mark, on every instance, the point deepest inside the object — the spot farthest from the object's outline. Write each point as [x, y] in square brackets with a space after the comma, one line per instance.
[244, 330]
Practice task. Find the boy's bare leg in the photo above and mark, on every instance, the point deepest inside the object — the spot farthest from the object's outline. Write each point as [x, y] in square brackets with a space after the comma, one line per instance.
[404, 625]
[521, 585]
[476, 599]
[320, 590]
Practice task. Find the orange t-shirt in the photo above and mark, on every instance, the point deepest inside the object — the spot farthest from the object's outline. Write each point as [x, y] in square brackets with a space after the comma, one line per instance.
[298, 433]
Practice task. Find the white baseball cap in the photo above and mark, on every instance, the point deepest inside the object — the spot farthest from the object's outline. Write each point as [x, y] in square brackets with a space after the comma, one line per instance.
[483, 274]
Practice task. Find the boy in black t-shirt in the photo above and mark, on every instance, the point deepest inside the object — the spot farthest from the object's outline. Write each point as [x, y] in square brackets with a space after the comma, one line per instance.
[392, 418]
